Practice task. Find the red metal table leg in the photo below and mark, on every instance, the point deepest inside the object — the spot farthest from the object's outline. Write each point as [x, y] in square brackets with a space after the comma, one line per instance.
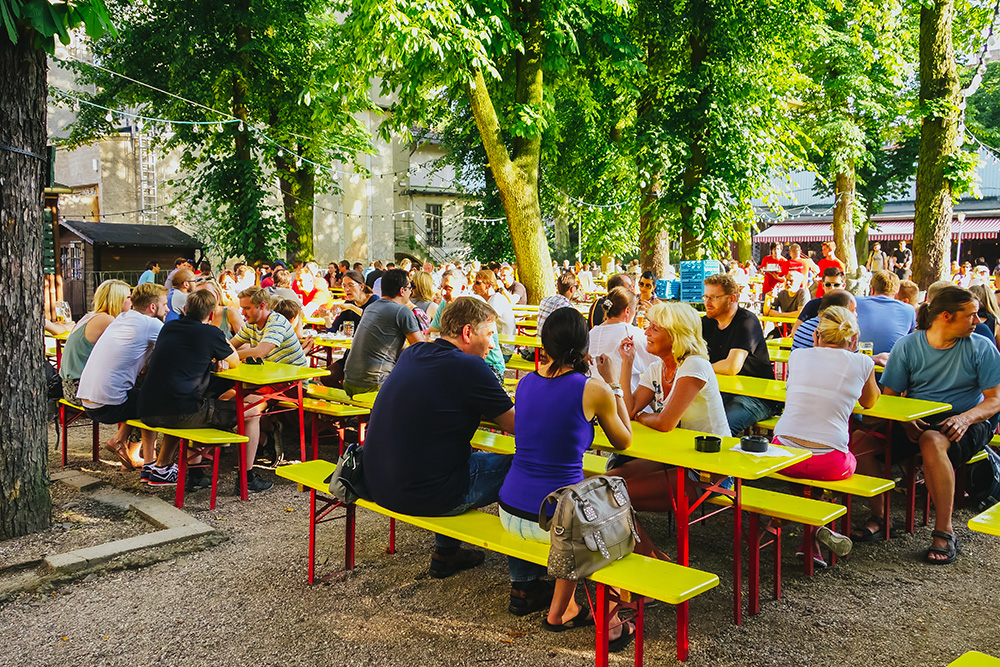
[181, 474]
[601, 620]
[241, 428]
[738, 551]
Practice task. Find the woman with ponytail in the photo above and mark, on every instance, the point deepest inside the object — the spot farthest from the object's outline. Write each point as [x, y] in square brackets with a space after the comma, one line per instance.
[553, 425]
[619, 308]
[824, 382]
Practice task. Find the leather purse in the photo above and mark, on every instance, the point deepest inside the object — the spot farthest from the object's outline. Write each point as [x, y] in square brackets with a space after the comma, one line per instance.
[593, 525]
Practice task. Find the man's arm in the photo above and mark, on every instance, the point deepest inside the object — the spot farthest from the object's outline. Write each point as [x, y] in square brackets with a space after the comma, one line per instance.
[262, 350]
[506, 421]
[416, 337]
[955, 427]
[733, 363]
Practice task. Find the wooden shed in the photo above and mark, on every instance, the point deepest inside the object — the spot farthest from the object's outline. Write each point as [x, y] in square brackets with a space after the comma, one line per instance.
[92, 252]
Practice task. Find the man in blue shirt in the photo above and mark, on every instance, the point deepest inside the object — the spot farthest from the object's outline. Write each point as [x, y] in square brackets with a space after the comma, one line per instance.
[149, 275]
[942, 361]
[882, 319]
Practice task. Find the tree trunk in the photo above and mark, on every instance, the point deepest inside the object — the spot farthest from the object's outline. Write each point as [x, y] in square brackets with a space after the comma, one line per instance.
[25, 504]
[861, 241]
[938, 87]
[697, 162]
[654, 241]
[561, 241]
[298, 192]
[516, 173]
[843, 221]
[744, 241]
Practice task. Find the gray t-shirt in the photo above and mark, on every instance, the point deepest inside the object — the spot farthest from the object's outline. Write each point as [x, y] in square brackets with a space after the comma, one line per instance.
[377, 343]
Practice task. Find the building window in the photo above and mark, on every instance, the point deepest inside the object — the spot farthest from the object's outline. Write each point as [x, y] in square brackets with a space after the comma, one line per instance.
[432, 219]
[71, 258]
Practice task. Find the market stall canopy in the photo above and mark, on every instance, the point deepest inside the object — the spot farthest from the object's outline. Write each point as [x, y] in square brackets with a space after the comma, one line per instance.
[886, 230]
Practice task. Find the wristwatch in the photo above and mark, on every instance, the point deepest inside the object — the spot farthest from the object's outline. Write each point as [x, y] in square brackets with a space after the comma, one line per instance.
[616, 389]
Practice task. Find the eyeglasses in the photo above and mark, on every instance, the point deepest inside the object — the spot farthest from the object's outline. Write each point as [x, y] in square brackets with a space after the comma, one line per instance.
[478, 282]
[709, 297]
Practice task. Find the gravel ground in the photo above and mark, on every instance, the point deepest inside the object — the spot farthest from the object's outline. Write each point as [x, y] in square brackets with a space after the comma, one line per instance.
[246, 600]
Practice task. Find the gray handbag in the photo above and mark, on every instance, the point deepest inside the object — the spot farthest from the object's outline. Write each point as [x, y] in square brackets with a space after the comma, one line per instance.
[347, 482]
[593, 525]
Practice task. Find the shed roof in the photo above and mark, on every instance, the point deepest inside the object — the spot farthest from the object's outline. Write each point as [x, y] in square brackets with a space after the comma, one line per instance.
[131, 235]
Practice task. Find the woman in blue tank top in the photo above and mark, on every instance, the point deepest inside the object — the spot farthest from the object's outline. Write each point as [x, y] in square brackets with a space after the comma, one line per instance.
[555, 408]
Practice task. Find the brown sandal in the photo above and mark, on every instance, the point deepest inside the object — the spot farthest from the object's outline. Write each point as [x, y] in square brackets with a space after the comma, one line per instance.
[121, 451]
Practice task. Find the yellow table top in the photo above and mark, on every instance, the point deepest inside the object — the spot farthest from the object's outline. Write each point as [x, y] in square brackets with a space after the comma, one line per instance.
[779, 355]
[529, 323]
[676, 448]
[525, 307]
[517, 363]
[59, 336]
[785, 342]
[206, 436]
[314, 321]
[270, 372]
[340, 396]
[975, 659]
[338, 342]
[779, 319]
[988, 522]
[524, 341]
[896, 408]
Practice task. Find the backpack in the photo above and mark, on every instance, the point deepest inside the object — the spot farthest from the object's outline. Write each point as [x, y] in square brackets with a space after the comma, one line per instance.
[593, 525]
[982, 481]
[347, 483]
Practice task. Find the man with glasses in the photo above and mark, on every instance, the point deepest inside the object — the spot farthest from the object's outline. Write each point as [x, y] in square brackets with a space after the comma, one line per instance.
[833, 279]
[177, 296]
[384, 327]
[736, 347]
[803, 334]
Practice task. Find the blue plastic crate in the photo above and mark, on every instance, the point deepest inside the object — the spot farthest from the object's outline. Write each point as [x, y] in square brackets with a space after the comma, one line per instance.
[662, 288]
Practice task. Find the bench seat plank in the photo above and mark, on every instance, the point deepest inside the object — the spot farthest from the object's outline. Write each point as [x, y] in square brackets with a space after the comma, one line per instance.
[207, 436]
[987, 522]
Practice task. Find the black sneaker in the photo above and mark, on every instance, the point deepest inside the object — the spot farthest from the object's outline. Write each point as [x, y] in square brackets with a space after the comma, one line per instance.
[531, 597]
[196, 479]
[163, 476]
[463, 559]
[256, 484]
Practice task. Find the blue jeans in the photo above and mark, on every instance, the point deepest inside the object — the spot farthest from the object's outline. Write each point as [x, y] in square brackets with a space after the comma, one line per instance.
[523, 571]
[742, 412]
[486, 474]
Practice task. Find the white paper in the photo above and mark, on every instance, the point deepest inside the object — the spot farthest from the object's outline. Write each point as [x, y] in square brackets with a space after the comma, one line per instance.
[772, 451]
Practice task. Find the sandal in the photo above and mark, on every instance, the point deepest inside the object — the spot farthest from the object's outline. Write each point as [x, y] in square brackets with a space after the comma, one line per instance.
[118, 448]
[624, 639]
[949, 550]
[862, 534]
[581, 620]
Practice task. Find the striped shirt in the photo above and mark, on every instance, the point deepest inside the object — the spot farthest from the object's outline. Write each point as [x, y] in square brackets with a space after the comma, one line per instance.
[277, 330]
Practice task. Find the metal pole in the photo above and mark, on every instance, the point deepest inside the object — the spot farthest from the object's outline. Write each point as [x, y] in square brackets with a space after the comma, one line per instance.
[958, 251]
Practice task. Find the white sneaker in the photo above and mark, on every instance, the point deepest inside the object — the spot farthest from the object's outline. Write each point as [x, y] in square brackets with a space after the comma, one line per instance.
[834, 541]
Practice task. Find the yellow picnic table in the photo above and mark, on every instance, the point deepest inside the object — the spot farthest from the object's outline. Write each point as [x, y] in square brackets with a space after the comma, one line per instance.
[523, 341]
[778, 319]
[975, 659]
[988, 522]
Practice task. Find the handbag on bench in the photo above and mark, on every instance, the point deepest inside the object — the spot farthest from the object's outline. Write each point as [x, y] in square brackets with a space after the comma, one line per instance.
[593, 525]
[347, 482]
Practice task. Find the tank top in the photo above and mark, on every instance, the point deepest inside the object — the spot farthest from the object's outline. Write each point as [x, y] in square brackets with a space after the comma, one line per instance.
[224, 323]
[551, 435]
[76, 351]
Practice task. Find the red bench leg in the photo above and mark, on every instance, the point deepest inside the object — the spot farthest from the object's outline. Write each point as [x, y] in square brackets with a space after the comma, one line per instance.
[349, 545]
[95, 440]
[601, 621]
[312, 535]
[777, 562]
[62, 424]
[217, 454]
[640, 624]
[392, 536]
[182, 464]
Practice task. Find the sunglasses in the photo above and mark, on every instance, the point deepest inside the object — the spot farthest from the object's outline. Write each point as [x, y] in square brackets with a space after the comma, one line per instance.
[829, 285]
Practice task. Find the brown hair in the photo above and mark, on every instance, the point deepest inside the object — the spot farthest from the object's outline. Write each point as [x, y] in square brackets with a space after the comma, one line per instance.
[725, 281]
[950, 299]
[287, 308]
[884, 282]
[256, 295]
[466, 310]
[617, 300]
[145, 294]
[908, 290]
[565, 282]
[200, 304]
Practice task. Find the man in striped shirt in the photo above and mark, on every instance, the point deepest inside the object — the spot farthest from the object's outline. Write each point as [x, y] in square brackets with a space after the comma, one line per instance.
[266, 334]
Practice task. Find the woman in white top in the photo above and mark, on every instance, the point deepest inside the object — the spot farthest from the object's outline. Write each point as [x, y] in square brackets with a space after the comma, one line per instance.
[619, 310]
[823, 384]
[681, 387]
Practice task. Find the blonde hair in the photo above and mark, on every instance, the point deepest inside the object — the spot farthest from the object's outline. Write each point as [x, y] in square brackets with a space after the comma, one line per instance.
[683, 324]
[423, 286]
[837, 325]
[110, 297]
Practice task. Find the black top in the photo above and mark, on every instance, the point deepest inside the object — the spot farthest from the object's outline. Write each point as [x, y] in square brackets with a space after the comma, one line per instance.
[350, 316]
[180, 368]
[810, 310]
[744, 332]
[417, 448]
[372, 277]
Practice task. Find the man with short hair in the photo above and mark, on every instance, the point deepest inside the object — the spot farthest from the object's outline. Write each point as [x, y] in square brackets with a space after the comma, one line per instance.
[803, 334]
[942, 361]
[829, 261]
[881, 318]
[384, 327]
[374, 274]
[149, 275]
[901, 260]
[908, 292]
[565, 288]
[797, 262]
[516, 289]
[108, 388]
[179, 392]
[184, 284]
[179, 263]
[266, 334]
[453, 285]
[485, 285]
[417, 455]
[736, 347]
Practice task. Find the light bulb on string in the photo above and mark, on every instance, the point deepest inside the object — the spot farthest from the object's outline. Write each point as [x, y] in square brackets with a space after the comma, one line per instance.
[110, 117]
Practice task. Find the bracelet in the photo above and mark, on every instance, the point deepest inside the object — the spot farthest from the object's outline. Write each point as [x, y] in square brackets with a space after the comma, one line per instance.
[614, 385]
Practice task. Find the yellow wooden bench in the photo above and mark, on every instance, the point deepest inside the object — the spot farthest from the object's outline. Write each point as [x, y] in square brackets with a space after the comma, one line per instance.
[642, 576]
[987, 522]
[204, 442]
[520, 365]
[64, 423]
[316, 390]
[975, 659]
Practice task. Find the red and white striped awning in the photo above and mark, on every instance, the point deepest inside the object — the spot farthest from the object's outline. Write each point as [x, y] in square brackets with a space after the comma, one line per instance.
[887, 230]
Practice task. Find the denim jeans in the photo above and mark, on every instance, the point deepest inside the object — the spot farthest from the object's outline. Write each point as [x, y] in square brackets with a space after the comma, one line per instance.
[742, 412]
[486, 474]
[522, 570]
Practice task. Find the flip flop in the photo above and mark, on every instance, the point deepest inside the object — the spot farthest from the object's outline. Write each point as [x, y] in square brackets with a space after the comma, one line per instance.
[581, 620]
[626, 637]
[862, 534]
[118, 448]
[950, 549]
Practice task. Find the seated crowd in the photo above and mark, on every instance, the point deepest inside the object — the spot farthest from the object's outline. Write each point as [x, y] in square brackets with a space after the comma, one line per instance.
[122, 362]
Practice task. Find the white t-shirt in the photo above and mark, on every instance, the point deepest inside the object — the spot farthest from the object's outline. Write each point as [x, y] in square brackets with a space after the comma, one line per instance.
[118, 356]
[605, 339]
[505, 314]
[706, 413]
[823, 385]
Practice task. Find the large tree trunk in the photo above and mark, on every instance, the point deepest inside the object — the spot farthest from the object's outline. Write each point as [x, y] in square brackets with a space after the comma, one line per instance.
[697, 162]
[938, 87]
[298, 192]
[654, 241]
[25, 504]
[744, 241]
[516, 172]
[843, 221]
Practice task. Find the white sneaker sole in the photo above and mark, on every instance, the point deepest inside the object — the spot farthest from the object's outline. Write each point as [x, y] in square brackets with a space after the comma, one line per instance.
[835, 542]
